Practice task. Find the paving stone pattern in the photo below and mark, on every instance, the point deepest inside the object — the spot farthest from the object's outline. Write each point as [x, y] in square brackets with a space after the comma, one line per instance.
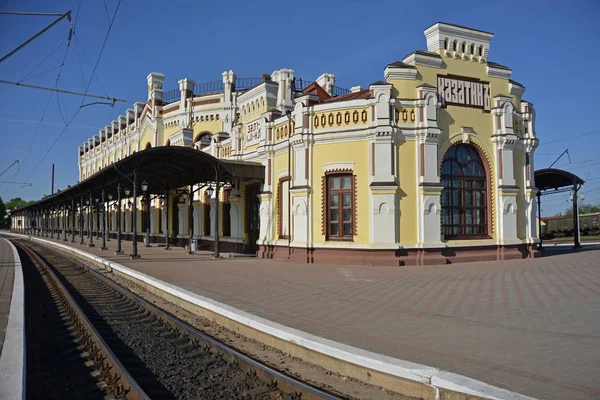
[531, 326]
[7, 276]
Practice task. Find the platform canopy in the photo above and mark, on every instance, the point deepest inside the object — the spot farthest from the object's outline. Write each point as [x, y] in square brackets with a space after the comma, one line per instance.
[162, 168]
[555, 179]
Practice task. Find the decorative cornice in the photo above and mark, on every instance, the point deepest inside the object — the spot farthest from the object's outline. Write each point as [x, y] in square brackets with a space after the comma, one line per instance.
[400, 73]
[496, 72]
[427, 60]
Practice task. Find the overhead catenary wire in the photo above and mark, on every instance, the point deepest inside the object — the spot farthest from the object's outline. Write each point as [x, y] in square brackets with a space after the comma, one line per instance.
[86, 90]
[26, 77]
[570, 137]
[68, 40]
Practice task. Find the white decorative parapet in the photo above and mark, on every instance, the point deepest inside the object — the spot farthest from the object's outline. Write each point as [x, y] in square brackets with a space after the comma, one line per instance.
[183, 137]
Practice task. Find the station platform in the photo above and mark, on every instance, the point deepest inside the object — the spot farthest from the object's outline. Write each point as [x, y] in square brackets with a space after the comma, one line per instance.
[12, 324]
[529, 326]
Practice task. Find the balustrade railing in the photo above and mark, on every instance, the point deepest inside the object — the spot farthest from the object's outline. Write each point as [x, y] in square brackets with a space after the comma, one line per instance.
[171, 96]
[247, 83]
[242, 84]
[208, 87]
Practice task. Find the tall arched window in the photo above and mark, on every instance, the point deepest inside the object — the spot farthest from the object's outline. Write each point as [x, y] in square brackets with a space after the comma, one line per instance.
[465, 193]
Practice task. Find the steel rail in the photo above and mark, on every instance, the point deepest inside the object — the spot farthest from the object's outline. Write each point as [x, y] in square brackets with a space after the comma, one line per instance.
[284, 382]
[126, 384]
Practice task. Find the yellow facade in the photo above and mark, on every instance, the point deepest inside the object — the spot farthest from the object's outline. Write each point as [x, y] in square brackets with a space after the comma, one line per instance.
[390, 140]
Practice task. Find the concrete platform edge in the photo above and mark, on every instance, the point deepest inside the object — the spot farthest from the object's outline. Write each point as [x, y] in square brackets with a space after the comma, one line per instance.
[438, 379]
[12, 359]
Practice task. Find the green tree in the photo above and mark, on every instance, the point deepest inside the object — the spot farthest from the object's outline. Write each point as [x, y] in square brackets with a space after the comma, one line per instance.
[17, 202]
[583, 209]
[2, 213]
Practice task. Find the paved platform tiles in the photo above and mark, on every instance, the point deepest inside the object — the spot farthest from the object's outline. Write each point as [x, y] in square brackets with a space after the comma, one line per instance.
[7, 276]
[12, 324]
[530, 326]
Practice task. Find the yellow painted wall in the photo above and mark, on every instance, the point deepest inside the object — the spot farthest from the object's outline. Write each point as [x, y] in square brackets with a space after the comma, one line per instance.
[334, 114]
[520, 180]
[328, 153]
[453, 117]
[279, 163]
[209, 126]
[147, 136]
[407, 192]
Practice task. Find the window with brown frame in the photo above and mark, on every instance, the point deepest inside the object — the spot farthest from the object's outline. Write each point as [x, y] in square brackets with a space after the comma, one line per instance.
[283, 208]
[340, 207]
[226, 206]
[206, 216]
[464, 197]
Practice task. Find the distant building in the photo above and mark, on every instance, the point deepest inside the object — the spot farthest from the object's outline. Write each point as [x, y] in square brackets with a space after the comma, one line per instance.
[433, 164]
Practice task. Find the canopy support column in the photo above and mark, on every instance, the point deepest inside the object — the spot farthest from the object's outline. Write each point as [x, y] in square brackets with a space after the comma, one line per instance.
[103, 221]
[98, 231]
[576, 238]
[73, 212]
[167, 212]
[65, 220]
[539, 204]
[81, 219]
[135, 248]
[190, 218]
[217, 223]
[90, 221]
[51, 221]
[119, 249]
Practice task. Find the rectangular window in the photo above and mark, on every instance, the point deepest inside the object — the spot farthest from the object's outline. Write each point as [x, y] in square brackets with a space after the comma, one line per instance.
[284, 208]
[206, 216]
[226, 215]
[340, 207]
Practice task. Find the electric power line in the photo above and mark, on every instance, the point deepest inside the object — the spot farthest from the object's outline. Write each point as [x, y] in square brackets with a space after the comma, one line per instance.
[570, 137]
[86, 90]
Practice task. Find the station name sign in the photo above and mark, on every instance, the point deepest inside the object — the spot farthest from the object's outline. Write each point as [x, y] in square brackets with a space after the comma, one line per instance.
[464, 92]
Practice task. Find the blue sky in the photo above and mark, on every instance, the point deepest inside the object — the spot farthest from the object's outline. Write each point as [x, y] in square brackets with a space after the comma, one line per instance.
[550, 45]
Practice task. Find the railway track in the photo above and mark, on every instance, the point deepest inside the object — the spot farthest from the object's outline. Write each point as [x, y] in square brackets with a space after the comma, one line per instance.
[135, 350]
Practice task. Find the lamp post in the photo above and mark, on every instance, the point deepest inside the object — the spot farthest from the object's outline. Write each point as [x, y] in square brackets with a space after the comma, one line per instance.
[145, 215]
[90, 203]
[190, 219]
[108, 205]
[65, 221]
[73, 210]
[98, 232]
[127, 192]
[167, 244]
[119, 249]
[210, 191]
[81, 216]
[103, 221]
[575, 199]
[50, 222]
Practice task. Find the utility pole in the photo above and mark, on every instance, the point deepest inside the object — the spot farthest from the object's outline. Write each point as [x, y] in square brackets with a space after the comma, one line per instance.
[52, 192]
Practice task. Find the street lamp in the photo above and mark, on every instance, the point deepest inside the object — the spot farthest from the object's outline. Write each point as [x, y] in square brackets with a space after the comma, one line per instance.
[110, 196]
[127, 191]
[576, 232]
[145, 219]
[210, 190]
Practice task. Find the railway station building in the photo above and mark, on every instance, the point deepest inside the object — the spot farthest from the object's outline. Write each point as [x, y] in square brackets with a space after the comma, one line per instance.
[430, 164]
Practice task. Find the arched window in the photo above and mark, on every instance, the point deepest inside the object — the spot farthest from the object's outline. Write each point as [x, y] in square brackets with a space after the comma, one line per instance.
[455, 45]
[446, 44]
[481, 51]
[465, 194]
[472, 48]
[463, 47]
